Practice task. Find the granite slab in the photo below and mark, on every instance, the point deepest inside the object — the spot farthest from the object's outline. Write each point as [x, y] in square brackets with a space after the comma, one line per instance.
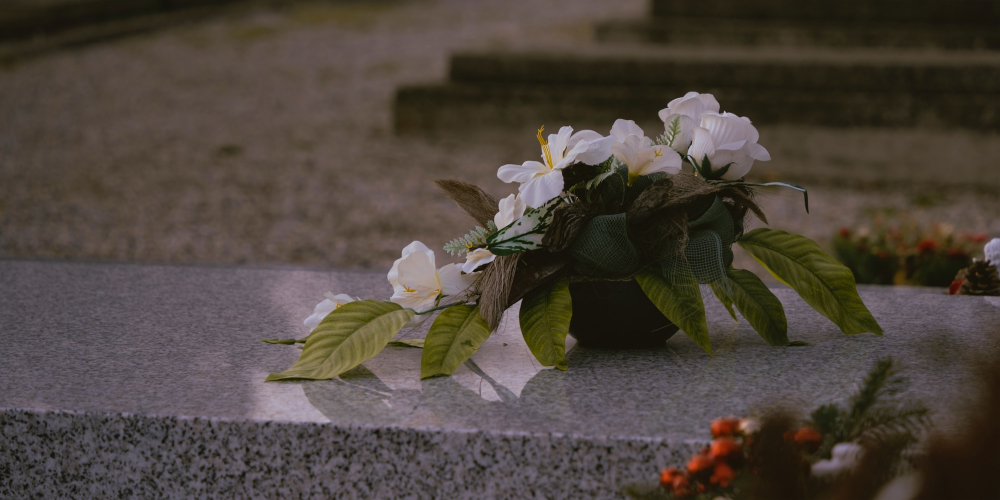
[147, 381]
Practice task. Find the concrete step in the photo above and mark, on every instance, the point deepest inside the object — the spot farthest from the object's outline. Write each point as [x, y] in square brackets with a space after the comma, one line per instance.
[827, 88]
[946, 12]
[785, 33]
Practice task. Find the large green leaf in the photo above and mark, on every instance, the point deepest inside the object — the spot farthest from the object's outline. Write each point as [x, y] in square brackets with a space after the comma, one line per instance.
[680, 301]
[352, 333]
[823, 283]
[454, 337]
[719, 289]
[545, 315]
[759, 306]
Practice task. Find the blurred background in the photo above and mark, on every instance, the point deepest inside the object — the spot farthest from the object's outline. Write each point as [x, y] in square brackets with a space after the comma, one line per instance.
[309, 132]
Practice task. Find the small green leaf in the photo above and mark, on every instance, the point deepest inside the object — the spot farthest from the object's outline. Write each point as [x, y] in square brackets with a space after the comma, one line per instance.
[545, 315]
[418, 343]
[455, 336]
[718, 288]
[349, 335]
[680, 301]
[759, 306]
[825, 284]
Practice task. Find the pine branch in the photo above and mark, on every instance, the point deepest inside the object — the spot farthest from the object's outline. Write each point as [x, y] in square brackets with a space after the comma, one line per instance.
[475, 238]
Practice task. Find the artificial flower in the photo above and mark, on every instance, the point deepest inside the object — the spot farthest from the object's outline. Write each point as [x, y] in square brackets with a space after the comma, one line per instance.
[543, 181]
[992, 251]
[845, 456]
[511, 209]
[638, 153]
[476, 258]
[329, 304]
[726, 139]
[687, 111]
[417, 284]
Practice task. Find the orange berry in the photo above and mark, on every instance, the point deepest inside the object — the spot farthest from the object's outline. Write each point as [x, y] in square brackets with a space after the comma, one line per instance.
[723, 475]
[668, 475]
[723, 448]
[699, 463]
[725, 427]
[682, 487]
[808, 438]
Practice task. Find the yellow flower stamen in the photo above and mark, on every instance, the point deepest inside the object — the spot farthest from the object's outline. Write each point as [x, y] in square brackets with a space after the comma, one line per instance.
[408, 289]
[545, 147]
[658, 152]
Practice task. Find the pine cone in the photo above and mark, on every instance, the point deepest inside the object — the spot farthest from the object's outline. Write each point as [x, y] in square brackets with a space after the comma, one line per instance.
[981, 279]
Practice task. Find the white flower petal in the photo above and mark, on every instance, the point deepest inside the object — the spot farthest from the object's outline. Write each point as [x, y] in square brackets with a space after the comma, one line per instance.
[559, 144]
[624, 128]
[521, 173]
[453, 282]
[511, 209]
[597, 150]
[476, 258]
[583, 135]
[757, 152]
[542, 188]
[701, 145]
[668, 161]
[319, 313]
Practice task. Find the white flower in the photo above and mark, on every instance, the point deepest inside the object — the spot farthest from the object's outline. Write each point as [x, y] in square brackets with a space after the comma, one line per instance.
[329, 304]
[477, 258]
[637, 152]
[511, 209]
[418, 285]
[687, 111]
[540, 182]
[992, 251]
[749, 425]
[726, 139]
[844, 457]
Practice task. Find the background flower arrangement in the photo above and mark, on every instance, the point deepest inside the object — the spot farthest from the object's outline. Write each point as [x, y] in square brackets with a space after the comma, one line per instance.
[906, 253]
[620, 207]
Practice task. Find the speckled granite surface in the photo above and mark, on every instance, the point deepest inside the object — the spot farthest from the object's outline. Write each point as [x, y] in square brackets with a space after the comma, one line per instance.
[147, 381]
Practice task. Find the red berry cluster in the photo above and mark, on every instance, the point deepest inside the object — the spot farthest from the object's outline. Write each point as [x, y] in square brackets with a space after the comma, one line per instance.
[716, 466]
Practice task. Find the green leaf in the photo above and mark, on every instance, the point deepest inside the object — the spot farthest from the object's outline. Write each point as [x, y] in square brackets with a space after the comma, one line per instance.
[719, 289]
[680, 301]
[759, 306]
[823, 283]
[545, 315]
[454, 337]
[417, 343]
[349, 335]
[525, 233]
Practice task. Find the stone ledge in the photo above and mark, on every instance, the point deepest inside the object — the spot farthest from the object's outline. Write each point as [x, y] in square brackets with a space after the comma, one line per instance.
[148, 381]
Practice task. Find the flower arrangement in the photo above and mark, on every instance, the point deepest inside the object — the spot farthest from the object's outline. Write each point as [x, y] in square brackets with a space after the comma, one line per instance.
[835, 451]
[596, 208]
[906, 254]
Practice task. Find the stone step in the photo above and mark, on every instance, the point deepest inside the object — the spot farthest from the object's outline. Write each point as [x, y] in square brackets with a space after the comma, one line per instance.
[784, 33]
[947, 12]
[827, 88]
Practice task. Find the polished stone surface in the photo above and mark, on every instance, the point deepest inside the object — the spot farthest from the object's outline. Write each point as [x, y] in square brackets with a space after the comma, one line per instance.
[145, 346]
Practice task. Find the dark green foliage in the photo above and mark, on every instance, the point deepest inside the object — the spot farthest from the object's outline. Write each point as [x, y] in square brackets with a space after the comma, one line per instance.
[876, 413]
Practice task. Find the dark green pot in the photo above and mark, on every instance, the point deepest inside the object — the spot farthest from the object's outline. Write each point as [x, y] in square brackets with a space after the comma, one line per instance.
[617, 315]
